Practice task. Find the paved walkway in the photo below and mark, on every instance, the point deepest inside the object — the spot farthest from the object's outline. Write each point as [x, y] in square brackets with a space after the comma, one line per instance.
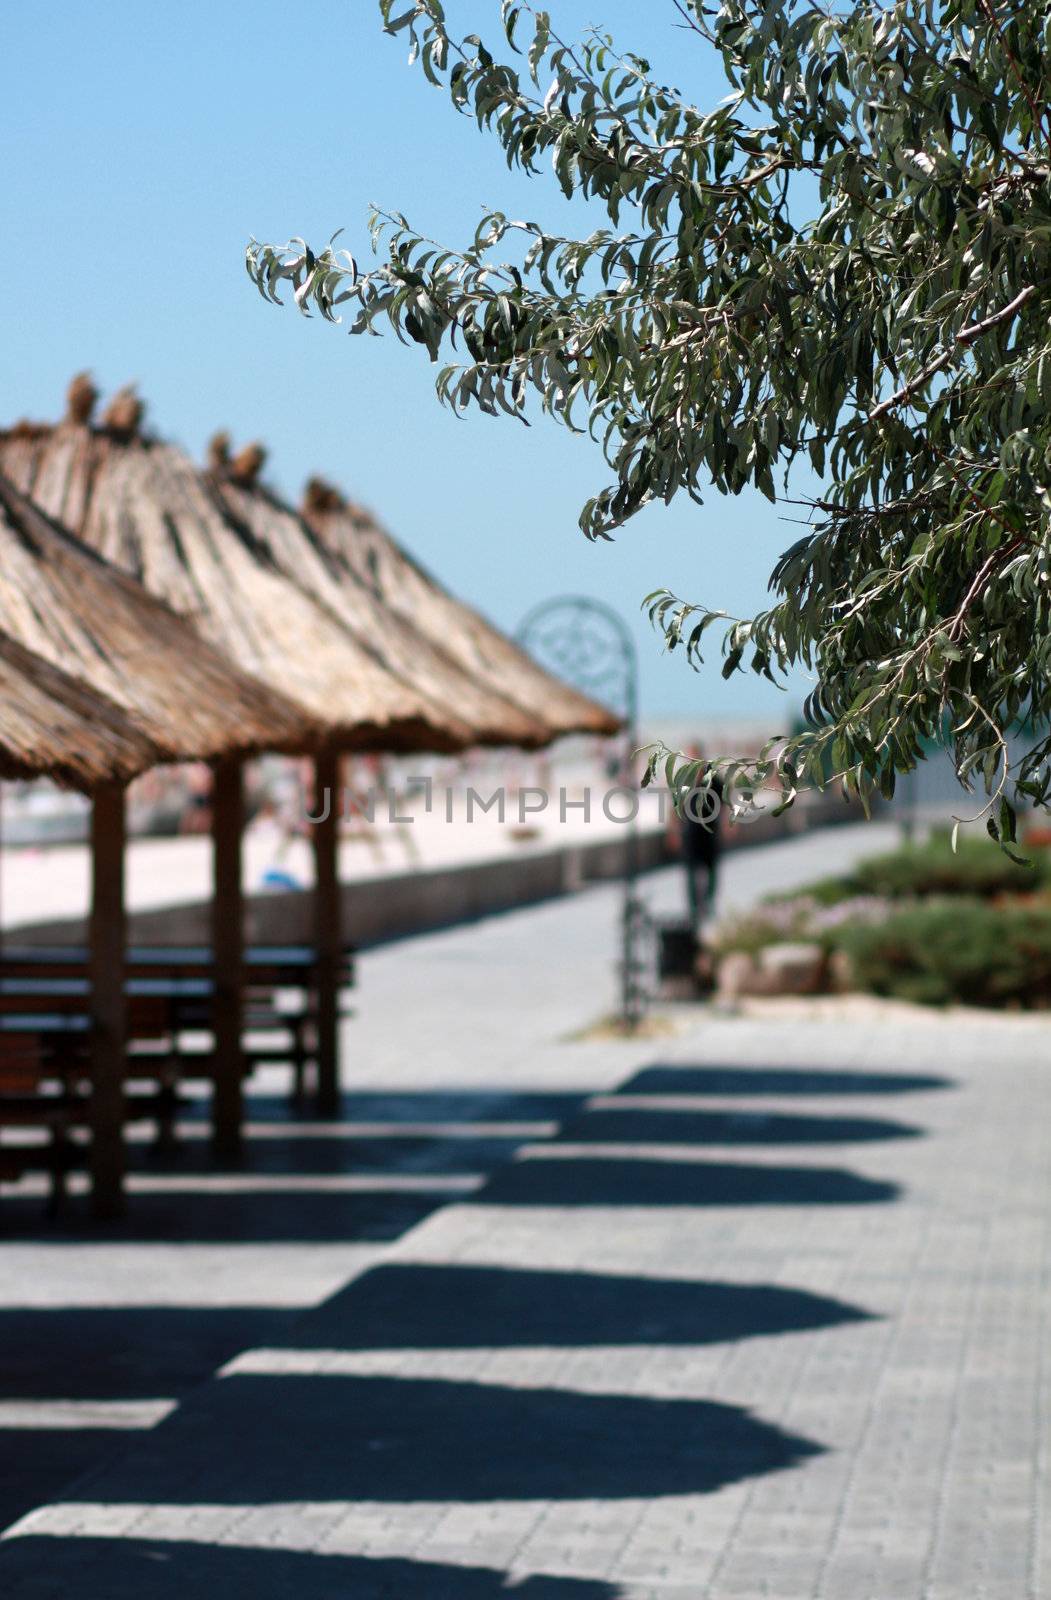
[754, 1311]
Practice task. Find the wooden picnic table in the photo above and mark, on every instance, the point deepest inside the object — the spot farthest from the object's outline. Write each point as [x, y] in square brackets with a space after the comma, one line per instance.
[279, 965]
[44, 1024]
[170, 1004]
[46, 1030]
[169, 998]
[170, 988]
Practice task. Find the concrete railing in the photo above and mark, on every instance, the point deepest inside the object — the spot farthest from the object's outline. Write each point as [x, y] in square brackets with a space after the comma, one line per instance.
[378, 910]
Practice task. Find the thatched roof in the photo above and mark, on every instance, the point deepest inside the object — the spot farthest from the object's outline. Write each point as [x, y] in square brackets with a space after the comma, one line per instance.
[144, 506]
[63, 602]
[55, 726]
[356, 545]
[419, 658]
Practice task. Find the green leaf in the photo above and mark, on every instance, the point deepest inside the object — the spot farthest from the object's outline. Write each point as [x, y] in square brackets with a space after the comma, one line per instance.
[833, 286]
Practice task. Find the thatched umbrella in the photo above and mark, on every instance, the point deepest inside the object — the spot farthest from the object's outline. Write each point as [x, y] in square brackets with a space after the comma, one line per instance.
[65, 603]
[399, 666]
[143, 505]
[355, 547]
[54, 725]
[492, 717]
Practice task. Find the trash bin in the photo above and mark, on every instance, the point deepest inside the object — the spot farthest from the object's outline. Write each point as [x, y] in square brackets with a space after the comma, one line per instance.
[677, 950]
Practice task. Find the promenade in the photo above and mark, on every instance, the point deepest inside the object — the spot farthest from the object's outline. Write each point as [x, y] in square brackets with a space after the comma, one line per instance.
[756, 1309]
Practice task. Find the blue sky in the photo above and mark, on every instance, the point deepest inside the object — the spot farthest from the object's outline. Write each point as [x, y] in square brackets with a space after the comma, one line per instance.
[144, 144]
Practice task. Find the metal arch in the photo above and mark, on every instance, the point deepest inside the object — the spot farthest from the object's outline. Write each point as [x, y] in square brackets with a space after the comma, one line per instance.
[566, 633]
[588, 644]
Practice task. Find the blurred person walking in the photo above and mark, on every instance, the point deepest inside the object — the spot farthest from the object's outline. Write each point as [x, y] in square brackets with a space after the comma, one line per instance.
[700, 844]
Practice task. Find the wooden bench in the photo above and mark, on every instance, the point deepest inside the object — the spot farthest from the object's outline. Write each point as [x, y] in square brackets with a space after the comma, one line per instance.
[170, 997]
[23, 1105]
[279, 996]
[45, 1040]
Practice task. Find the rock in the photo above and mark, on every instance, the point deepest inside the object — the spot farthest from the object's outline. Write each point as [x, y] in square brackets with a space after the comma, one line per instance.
[787, 968]
[738, 975]
[840, 972]
[794, 968]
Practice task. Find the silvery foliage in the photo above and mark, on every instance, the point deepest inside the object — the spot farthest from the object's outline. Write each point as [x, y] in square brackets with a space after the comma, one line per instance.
[845, 264]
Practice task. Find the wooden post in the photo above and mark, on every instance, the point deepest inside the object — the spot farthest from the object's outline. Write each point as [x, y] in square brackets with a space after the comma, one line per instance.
[327, 930]
[227, 954]
[106, 960]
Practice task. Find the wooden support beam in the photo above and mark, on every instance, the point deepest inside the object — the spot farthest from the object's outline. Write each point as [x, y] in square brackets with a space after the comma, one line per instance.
[327, 929]
[106, 958]
[228, 953]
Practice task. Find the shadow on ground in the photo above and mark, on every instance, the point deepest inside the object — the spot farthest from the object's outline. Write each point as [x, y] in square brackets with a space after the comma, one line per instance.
[603, 1181]
[660, 1079]
[36, 1464]
[441, 1145]
[347, 1438]
[423, 1106]
[125, 1352]
[256, 1439]
[402, 1306]
[234, 1216]
[148, 1569]
[334, 1153]
[627, 1125]
[85, 1353]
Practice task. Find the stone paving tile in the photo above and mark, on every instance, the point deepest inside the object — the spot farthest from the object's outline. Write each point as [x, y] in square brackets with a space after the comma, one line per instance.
[776, 1385]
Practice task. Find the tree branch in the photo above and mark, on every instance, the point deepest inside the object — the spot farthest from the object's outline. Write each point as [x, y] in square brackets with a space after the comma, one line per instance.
[966, 337]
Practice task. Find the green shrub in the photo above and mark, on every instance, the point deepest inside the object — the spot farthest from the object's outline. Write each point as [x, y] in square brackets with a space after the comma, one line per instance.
[825, 892]
[977, 868]
[961, 950]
